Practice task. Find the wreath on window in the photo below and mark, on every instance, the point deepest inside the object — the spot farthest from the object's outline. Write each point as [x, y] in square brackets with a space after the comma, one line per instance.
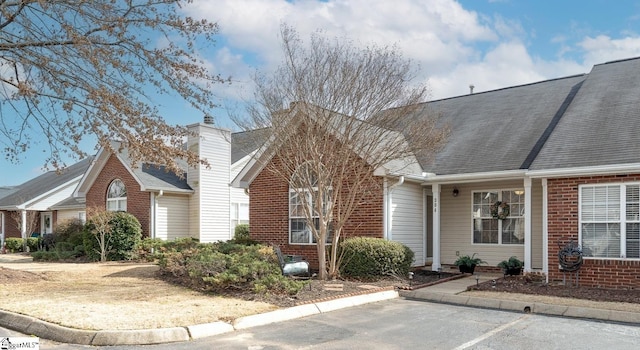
[500, 210]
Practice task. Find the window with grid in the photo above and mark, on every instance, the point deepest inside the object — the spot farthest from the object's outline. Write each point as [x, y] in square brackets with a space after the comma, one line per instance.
[239, 215]
[117, 196]
[490, 230]
[610, 220]
[302, 200]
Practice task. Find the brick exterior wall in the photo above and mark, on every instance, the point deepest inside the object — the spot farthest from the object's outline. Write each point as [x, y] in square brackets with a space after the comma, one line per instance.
[138, 202]
[10, 226]
[563, 226]
[269, 215]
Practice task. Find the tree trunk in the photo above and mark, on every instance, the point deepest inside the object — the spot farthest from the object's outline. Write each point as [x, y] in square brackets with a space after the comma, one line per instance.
[322, 258]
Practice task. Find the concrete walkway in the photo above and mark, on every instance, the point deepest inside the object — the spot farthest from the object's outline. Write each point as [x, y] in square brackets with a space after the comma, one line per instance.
[448, 292]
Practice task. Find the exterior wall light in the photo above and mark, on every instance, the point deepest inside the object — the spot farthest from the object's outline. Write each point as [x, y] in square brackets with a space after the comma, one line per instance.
[455, 192]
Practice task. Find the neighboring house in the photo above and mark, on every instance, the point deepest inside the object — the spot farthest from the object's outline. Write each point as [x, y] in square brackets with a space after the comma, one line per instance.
[198, 203]
[33, 202]
[562, 153]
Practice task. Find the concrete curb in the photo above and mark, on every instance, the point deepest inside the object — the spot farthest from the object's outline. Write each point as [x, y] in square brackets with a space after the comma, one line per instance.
[527, 307]
[33, 326]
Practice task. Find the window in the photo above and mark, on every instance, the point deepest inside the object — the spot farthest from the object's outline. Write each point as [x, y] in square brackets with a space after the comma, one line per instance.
[610, 221]
[239, 215]
[488, 229]
[302, 198]
[117, 196]
[82, 216]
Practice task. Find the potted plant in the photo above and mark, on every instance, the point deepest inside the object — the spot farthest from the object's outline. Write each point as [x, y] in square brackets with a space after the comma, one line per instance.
[468, 263]
[511, 267]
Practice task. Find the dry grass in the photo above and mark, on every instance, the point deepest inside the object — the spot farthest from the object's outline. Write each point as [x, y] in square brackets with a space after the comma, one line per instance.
[111, 296]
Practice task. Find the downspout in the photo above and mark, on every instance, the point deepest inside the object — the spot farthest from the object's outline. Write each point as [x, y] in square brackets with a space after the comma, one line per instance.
[154, 216]
[389, 207]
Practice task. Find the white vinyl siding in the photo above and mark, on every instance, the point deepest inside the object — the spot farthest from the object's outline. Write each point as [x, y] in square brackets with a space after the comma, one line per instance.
[43, 203]
[210, 214]
[69, 214]
[407, 212]
[610, 221]
[172, 217]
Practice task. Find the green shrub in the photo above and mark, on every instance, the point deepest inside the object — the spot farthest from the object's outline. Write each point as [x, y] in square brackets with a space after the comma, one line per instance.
[47, 242]
[53, 255]
[372, 258]
[241, 235]
[241, 232]
[64, 247]
[149, 248]
[44, 255]
[223, 265]
[32, 243]
[122, 241]
[179, 244]
[13, 244]
[71, 231]
[126, 234]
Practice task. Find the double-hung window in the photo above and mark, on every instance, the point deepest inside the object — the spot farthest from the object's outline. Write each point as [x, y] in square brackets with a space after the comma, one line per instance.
[610, 220]
[491, 223]
[304, 205]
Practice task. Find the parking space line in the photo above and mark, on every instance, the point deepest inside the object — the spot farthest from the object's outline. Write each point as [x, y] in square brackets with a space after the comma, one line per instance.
[491, 333]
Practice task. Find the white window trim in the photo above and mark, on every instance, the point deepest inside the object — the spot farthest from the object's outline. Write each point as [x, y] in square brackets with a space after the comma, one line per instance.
[236, 219]
[117, 200]
[622, 222]
[299, 192]
[499, 191]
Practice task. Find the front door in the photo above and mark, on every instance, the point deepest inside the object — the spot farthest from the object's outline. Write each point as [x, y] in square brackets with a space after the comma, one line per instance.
[46, 225]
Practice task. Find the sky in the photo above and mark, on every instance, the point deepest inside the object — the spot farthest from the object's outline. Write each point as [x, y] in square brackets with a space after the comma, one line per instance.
[489, 44]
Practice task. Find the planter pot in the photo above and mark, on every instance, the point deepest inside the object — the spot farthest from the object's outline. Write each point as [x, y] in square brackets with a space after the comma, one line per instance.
[467, 268]
[513, 271]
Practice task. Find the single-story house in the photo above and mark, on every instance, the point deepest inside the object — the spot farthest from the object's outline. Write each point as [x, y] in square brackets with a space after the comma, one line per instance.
[31, 206]
[562, 155]
[198, 203]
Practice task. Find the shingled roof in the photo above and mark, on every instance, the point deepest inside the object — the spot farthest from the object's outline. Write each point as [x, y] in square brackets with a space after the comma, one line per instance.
[497, 130]
[44, 183]
[601, 125]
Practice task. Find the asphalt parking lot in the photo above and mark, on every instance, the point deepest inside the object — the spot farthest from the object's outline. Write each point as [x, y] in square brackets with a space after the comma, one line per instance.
[410, 324]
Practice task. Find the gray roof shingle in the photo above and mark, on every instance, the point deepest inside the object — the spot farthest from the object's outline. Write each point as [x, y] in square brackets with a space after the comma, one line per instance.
[495, 130]
[44, 183]
[601, 125]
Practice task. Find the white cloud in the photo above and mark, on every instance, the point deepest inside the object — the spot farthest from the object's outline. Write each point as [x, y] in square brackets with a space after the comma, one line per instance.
[453, 47]
[602, 48]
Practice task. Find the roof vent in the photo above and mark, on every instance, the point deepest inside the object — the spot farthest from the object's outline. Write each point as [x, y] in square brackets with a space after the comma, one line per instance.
[471, 89]
[208, 119]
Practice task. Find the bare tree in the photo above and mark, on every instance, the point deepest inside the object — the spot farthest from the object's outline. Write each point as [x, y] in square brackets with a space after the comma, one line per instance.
[72, 68]
[98, 222]
[339, 117]
[26, 227]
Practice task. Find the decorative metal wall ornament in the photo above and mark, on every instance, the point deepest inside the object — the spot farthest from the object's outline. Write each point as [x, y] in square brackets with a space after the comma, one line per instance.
[570, 259]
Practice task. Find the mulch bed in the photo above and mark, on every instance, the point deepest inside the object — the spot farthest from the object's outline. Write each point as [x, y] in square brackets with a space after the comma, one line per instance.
[317, 290]
[532, 284]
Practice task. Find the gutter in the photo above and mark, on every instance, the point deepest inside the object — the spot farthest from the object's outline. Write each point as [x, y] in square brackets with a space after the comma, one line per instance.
[476, 177]
[586, 171]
